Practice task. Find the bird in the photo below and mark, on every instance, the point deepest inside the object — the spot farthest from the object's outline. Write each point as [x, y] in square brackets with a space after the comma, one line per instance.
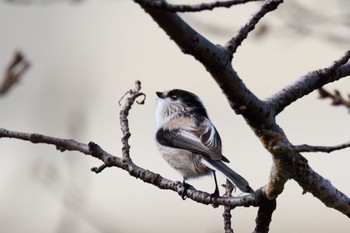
[189, 141]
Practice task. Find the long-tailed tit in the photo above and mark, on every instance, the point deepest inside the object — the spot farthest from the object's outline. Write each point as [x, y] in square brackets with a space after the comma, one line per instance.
[188, 140]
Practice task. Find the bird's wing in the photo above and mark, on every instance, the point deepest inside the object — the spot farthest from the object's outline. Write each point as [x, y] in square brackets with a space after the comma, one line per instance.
[202, 139]
[210, 138]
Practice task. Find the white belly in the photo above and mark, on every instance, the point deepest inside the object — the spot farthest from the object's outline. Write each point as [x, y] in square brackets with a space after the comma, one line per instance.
[185, 162]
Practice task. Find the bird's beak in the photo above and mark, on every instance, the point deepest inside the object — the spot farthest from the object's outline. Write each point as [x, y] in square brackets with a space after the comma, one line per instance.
[160, 94]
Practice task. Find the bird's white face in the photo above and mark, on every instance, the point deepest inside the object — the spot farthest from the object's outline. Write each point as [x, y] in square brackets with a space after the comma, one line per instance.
[161, 113]
[167, 107]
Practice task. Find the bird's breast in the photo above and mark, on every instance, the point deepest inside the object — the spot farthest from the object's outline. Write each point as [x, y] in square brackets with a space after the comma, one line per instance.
[188, 164]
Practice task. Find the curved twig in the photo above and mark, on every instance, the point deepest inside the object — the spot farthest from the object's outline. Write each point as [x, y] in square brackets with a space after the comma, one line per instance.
[124, 112]
[235, 42]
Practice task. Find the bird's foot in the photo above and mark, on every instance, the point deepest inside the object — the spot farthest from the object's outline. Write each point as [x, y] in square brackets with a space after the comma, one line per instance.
[215, 195]
[183, 192]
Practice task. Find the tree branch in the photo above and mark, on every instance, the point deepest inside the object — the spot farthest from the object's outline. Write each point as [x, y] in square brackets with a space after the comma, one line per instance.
[321, 188]
[14, 72]
[163, 5]
[217, 60]
[147, 176]
[268, 6]
[61, 144]
[260, 115]
[126, 162]
[337, 98]
[310, 82]
[265, 212]
[124, 123]
[297, 168]
[227, 209]
[326, 149]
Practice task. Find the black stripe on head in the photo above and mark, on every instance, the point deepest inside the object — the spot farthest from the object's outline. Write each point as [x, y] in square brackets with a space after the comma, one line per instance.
[191, 100]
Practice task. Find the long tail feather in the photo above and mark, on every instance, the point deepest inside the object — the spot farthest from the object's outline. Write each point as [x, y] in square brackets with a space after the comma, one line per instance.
[234, 177]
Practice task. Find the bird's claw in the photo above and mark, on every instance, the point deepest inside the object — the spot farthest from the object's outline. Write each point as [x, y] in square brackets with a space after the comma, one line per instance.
[214, 195]
[183, 192]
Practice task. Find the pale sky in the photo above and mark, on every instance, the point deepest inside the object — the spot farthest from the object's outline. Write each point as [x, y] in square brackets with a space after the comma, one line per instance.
[83, 59]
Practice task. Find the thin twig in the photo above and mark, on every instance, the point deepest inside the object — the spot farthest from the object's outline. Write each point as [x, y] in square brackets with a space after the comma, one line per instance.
[235, 42]
[337, 98]
[124, 112]
[163, 5]
[60, 143]
[14, 72]
[310, 82]
[326, 149]
[227, 209]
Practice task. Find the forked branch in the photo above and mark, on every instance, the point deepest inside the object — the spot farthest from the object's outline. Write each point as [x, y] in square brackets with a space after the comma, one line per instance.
[260, 115]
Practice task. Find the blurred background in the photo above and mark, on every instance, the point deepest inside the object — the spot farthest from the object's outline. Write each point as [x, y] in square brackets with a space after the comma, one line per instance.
[84, 55]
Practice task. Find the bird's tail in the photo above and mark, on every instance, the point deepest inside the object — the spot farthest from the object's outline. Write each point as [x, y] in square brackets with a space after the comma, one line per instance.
[231, 175]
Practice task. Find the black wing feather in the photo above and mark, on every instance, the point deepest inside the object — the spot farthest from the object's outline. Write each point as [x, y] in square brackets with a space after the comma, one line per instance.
[186, 140]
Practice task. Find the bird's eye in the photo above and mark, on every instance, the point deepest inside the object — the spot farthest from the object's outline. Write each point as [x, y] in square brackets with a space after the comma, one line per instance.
[173, 97]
